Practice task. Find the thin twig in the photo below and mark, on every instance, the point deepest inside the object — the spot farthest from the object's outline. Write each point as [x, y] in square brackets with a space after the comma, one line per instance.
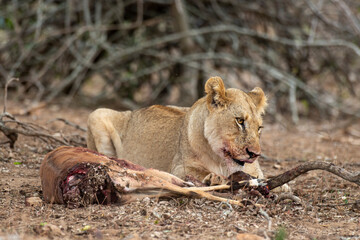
[326, 20]
[263, 213]
[352, 19]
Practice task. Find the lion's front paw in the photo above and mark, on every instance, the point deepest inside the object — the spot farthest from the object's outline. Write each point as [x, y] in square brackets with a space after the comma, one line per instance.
[213, 179]
[282, 188]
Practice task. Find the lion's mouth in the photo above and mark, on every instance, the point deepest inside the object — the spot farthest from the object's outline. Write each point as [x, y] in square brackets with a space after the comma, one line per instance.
[240, 162]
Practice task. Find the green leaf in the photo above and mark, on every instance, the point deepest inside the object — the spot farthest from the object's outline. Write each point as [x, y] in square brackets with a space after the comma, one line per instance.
[17, 163]
[86, 228]
[9, 24]
[306, 104]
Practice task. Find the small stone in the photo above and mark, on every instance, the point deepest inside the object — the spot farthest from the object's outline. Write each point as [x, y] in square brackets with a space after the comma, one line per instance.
[143, 212]
[33, 201]
[22, 192]
[157, 234]
[56, 135]
[277, 166]
[163, 203]
[166, 216]
[156, 214]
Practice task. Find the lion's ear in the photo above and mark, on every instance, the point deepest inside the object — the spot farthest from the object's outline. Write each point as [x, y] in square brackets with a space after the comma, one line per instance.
[259, 98]
[216, 93]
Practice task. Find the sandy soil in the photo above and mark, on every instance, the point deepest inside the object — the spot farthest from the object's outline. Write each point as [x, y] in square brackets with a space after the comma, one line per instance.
[330, 207]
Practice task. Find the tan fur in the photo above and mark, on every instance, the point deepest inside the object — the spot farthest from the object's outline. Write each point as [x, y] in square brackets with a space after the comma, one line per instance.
[193, 141]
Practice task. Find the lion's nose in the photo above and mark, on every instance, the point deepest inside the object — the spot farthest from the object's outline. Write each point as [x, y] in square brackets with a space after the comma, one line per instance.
[252, 153]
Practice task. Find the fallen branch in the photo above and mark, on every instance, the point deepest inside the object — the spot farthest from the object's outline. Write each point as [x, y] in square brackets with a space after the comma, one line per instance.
[309, 166]
[26, 129]
[12, 134]
[241, 179]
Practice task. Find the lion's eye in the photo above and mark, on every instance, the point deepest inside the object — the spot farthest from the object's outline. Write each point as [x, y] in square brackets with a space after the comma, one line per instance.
[240, 122]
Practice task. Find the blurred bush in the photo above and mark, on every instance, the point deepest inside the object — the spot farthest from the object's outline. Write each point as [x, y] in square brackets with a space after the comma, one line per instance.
[132, 53]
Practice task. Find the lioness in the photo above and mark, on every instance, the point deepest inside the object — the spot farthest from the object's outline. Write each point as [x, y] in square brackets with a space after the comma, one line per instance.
[218, 135]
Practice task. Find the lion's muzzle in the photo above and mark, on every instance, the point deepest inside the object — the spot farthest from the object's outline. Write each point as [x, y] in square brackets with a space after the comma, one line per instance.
[250, 158]
[252, 154]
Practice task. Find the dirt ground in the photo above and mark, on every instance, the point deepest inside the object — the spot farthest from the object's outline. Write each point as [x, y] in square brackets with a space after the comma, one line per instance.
[330, 207]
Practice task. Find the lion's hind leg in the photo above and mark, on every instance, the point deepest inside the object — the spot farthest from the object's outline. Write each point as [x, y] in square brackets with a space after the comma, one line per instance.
[103, 137]
[99, 140]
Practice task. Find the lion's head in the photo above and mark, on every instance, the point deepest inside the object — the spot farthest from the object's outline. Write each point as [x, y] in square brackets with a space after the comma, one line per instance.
[234, 123]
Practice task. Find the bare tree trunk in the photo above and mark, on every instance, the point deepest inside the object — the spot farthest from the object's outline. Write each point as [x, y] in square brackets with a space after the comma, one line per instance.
[188, 75]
